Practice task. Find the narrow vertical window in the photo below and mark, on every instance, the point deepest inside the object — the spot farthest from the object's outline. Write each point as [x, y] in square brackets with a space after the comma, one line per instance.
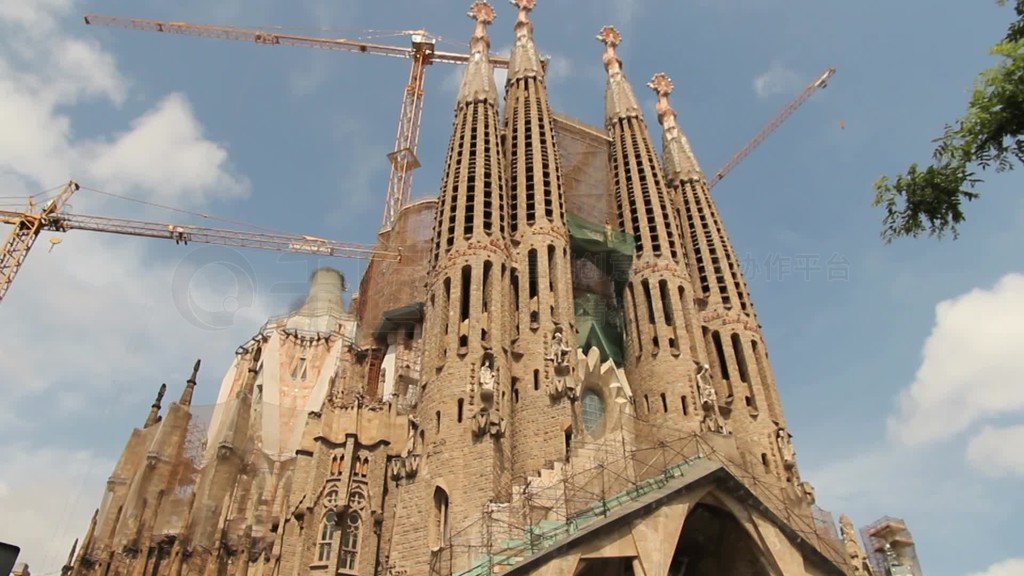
[440, 530]
[325, 544]
[350, 541]
[723, 366]
[666, 301]
[741, 360]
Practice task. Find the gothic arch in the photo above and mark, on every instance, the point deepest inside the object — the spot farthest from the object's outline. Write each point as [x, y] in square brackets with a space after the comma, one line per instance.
[713, 541]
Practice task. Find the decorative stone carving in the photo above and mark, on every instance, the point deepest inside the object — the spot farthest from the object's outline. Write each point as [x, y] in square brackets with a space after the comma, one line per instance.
[858, 558]
[785, 443]
[408, 463]
[488, 379]
[712, 421]
[489, 423]
[809, 493]
[560, 350]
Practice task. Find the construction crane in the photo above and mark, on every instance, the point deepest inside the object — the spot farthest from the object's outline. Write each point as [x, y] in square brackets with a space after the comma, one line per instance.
[28, 226]
[820, 82]
[422, 52]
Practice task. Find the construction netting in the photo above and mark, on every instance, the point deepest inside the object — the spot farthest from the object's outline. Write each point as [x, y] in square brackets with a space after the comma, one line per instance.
[601, 259]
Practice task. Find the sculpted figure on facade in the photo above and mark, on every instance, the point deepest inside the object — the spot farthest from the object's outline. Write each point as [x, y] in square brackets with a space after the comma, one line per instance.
[487, 379]
[784, 441]
[712, 420]
[560, 350]
[858, 558]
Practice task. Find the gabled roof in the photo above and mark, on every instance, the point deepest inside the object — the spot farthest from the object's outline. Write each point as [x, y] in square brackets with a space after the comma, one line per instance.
[704, 473]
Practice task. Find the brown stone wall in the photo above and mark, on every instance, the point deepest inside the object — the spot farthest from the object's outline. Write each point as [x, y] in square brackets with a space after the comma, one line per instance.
[388, 285]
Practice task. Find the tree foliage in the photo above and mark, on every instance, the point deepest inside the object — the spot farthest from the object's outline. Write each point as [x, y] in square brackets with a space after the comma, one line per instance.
[990, 135]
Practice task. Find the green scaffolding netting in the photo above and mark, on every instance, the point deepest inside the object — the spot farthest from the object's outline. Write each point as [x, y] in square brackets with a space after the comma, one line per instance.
[597, 310]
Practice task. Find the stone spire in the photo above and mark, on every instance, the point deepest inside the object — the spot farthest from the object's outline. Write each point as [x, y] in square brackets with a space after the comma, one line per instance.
[737, 356]
[661, 333]
[154, 411]
[524, 60]
[190, 386]
[620, 102]
[542, 283]
[680, 162]
[478, 82]
[465, 399]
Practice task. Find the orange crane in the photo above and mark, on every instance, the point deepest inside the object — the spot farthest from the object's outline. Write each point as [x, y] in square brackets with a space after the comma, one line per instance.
[820, 82]
[28, 226]
[422, 52]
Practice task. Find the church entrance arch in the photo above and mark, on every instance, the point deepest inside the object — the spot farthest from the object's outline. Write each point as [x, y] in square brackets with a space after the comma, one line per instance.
[713, 542]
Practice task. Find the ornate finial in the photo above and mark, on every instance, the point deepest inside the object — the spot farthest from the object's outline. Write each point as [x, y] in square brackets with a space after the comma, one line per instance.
[195, 369]
[525, 6]
[610, 36]
[482, 12]
[154, 410]
[478, 82]
[662, 85]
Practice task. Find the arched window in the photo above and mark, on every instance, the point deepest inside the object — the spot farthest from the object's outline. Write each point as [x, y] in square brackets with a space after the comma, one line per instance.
[350, 542]
[593, 411]
[440, 530]
[326, 543]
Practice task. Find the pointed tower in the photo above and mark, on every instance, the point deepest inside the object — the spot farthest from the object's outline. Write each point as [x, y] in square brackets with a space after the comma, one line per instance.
[462, 409]
[738, 362]
[660, 317]
[544, 341]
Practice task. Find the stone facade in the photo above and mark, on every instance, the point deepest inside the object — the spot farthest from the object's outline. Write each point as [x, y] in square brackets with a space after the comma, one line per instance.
[454, 420]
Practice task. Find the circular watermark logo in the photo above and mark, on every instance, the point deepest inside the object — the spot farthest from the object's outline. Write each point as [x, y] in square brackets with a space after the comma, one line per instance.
[212, 285]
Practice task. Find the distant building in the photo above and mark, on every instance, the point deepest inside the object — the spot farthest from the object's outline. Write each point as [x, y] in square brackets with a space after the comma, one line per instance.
[563, 375]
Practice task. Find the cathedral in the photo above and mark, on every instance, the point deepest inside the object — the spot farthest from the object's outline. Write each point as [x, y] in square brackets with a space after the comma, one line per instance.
[563, 375]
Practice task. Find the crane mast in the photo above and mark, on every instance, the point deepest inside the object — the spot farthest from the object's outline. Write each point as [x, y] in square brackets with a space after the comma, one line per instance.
[820, 82]
[422, 52]
[28, 226]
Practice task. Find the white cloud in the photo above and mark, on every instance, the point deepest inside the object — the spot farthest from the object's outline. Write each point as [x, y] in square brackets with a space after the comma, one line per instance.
[997, 452]
[165, 152]
[970, 365]
[1010, 567]
[776, 80]
[48, 496]
[101, 320]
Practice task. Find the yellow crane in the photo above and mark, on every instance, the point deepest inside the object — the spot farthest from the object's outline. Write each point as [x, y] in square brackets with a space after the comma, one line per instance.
[51, 216]
[819, 83]
[422, 51]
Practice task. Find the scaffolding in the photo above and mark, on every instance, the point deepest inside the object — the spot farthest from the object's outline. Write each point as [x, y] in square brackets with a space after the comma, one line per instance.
[891, 549]
[601, 480]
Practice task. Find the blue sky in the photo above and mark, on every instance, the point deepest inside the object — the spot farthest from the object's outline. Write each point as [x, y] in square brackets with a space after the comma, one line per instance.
[899, 381]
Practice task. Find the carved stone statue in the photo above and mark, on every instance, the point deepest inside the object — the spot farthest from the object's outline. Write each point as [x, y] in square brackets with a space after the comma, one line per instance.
[858, 558]
[708, 396]
[410, 441]
[712, 420]
[559, 349]
[782, 438]
[487, 381]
